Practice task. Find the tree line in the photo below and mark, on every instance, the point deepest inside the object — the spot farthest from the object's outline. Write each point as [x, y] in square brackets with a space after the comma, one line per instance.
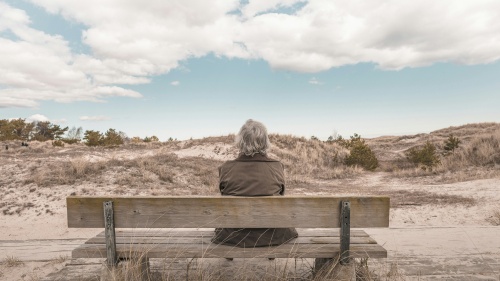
[20, 129]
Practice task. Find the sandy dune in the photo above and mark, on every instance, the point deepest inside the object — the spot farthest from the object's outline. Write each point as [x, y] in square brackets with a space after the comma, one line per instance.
[446, 222]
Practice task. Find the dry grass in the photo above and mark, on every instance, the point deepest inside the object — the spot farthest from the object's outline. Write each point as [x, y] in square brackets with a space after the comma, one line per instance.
[197, 269]
[494, 218]
[11, 261]
[249, 270]
[229, 139]
[305, 160]
[60, 259]
[477, 157]
[152, 174]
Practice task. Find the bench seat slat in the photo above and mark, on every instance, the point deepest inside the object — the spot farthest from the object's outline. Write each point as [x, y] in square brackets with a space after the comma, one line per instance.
[222, 251]
[206, 240]
[315, 232]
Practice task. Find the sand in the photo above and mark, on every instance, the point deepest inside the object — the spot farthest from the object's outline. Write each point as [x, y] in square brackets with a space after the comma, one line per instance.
[413, 223]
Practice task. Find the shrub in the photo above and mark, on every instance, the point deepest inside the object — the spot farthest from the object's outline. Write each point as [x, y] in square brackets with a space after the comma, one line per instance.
[342, 142]
[136, 140]
[151, 139]
[11, 261]
[425, 156]
[70, 141]
[451, 144]
[44, 131]
[360, 153]
[58, 143]
[494, 218]
[112, 138]
[93, 138]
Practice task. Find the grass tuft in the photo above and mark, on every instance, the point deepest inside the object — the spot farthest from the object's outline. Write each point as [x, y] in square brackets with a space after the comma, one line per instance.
[11, 261]
[494, 218]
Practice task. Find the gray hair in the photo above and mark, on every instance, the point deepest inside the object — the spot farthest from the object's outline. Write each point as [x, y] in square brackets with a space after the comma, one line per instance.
[253, 138]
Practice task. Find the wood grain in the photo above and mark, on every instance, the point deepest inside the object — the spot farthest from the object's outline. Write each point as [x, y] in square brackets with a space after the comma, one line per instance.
[157, 232]
[206, 240]
[109, 233]
[218, 251]
[217, 211]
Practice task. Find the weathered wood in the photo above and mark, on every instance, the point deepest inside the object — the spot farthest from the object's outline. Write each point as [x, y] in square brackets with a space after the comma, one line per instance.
[155, 223]
[248, 212]
[157, 232]
[219, 251]
[320, 264]
[109, 229]
[345, 231]
[207, 239]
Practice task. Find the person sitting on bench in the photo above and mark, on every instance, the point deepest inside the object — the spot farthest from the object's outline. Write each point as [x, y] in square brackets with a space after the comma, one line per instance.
[252, 173]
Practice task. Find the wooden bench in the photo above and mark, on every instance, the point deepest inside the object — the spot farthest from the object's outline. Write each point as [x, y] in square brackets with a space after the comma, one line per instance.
[324, 224]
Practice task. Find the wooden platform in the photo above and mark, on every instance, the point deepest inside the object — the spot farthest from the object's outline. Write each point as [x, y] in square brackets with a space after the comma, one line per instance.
[311, 243]
[427, 253]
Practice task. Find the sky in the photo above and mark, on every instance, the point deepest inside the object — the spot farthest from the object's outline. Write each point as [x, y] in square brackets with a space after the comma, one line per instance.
[195, 68]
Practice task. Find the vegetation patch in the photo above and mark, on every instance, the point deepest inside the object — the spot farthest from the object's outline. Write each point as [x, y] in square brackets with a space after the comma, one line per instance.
[494, 218]
[11, 261]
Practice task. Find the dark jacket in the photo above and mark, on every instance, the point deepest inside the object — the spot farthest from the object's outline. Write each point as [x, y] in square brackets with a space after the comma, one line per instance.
[252, 176]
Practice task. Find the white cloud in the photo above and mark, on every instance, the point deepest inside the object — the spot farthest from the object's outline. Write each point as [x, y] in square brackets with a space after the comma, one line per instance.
[43, 118]
[320, 35]
[132, 41]
[175, 83]
[94, 118]
[391, 34]
[37, 118]
[37, 66]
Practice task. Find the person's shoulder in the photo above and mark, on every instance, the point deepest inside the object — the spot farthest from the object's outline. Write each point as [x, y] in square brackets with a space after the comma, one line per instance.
[255, 158]
[272, 159]
[227, 164]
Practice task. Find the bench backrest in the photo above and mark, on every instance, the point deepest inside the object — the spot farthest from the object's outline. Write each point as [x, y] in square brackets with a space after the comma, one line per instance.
[227, 211]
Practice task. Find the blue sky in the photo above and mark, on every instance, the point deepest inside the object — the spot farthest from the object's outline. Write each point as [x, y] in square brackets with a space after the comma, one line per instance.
[198, 68]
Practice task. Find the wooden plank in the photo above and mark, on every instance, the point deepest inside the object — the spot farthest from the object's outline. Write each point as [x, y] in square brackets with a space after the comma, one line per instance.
[218, 251]
[227, 211]
[109, 233]
[314, 232]
[207, 240]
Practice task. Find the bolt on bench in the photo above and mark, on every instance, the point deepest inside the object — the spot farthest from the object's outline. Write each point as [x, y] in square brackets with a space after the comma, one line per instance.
[323, 222]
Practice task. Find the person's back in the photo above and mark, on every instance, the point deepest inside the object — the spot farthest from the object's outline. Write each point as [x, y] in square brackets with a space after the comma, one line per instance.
[252, 174]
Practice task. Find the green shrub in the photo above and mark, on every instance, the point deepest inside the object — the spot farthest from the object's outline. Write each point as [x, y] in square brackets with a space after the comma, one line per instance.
[425, 156]
[360, 153]
[70, 141]
[112, 138]
[58, 143]
[93, 138]
[451, 144]
[151, 139]
[341, 141]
